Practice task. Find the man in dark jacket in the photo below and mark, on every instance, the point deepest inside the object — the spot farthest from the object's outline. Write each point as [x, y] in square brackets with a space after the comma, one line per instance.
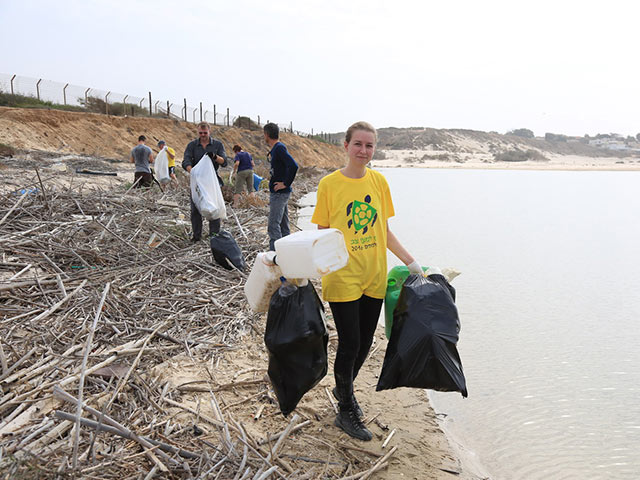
[196, 149]
[283, 172]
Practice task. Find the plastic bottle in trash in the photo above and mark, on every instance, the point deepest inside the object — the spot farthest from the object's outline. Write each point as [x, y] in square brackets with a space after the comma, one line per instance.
[395, 280]
[287, 288]
[311, 253]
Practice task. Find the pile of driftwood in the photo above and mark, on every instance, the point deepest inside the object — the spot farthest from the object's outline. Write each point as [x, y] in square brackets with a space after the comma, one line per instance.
[98, 287]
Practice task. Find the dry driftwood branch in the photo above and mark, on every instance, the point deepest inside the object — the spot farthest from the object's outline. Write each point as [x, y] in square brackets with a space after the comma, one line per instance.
[17, 204]
[83, 369]
[115, 431]
[53, 308]
[282, 437]
[76, 243]
[191, 410]
[388, 439]
[3, 361]
[62, 395]
[276, 436]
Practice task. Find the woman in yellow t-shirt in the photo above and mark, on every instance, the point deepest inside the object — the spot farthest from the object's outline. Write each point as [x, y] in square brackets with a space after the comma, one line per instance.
[357, 201]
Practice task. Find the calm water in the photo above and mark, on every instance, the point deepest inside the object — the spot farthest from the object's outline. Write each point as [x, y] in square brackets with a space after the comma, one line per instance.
[550, 311]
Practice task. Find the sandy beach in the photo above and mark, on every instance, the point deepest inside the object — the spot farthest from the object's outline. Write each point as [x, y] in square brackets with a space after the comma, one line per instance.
[402, 421]
[475, 160]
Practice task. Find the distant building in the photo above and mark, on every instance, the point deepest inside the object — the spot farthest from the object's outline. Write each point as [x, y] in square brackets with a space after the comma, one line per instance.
[612, 142]
[616, 146]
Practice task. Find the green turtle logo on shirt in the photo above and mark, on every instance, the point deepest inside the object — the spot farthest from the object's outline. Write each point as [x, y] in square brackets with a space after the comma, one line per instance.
[362, 215]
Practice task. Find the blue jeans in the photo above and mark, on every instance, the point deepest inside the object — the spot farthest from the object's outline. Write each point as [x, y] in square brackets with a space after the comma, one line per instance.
[278, 226]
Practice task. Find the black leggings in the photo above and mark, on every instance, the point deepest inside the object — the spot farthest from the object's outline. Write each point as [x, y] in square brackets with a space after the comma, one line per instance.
[356, 323]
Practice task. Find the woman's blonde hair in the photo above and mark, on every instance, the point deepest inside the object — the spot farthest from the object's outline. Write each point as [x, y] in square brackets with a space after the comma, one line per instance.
[366, 126]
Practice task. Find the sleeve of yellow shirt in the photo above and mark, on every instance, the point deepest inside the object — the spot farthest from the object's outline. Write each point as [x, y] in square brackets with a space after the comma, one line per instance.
[321, 213]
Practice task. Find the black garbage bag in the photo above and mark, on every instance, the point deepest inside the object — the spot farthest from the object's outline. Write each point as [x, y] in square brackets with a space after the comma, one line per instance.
[296, 337]
[225, 250]
[422, 349]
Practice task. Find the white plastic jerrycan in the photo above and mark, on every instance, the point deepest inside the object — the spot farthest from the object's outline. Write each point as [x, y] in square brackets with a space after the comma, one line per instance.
[311, 253]
[263, 281]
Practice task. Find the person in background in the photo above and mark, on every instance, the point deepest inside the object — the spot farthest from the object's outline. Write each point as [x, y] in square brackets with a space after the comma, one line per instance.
[196, 149]
[243, 168]
[283, 172]
[357, 201]
[142, 156]
[171, 155]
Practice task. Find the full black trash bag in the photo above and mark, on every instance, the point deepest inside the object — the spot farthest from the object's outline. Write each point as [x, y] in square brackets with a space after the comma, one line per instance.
[296, 337]
[225, 250]
[422, 349]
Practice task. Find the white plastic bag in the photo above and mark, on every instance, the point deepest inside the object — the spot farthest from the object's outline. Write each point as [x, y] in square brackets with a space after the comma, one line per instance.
[162, 167]
[205, 190]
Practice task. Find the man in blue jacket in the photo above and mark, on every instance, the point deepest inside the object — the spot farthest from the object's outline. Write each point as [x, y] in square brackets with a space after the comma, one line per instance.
[283, 171]
[204, 144]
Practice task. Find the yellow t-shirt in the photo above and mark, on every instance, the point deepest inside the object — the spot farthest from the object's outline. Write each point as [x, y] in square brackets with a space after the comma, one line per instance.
[359, 207]
[171, 155]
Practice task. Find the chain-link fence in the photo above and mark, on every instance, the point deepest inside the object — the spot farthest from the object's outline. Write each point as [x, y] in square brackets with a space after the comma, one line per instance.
[66, 96]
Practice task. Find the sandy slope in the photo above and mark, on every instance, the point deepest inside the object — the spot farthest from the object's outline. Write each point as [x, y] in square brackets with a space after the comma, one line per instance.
[114, 137]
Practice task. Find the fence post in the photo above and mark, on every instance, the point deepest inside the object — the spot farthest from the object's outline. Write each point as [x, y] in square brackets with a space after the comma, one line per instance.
[155, 106]
[106, 103]
[64, 93]
[290, 127]
[168, 110]
[185, 109]
[124, 105]
[12, 84]
[227, 116]
[140, 103]
[38, 88]
[200, 111]
[194, 115]
[150, 106]
[214, 113]
[258, 120]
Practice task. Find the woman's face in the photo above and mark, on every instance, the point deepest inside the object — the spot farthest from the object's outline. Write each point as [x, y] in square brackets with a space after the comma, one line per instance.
[361, 147]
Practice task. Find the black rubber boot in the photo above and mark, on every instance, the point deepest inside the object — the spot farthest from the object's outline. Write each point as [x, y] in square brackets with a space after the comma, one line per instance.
[349, 421]
[353, 401]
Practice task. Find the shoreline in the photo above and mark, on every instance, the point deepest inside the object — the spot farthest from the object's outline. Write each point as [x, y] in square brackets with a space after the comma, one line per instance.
[469, 464]
[524, 167]
[479, 161]
[469, 459]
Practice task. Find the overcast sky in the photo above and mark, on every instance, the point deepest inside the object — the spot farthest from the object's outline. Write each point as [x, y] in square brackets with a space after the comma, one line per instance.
[551, 66]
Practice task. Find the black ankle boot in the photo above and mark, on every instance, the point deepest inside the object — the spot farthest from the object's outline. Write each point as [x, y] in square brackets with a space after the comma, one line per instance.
[349, 421]
[353, 400]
